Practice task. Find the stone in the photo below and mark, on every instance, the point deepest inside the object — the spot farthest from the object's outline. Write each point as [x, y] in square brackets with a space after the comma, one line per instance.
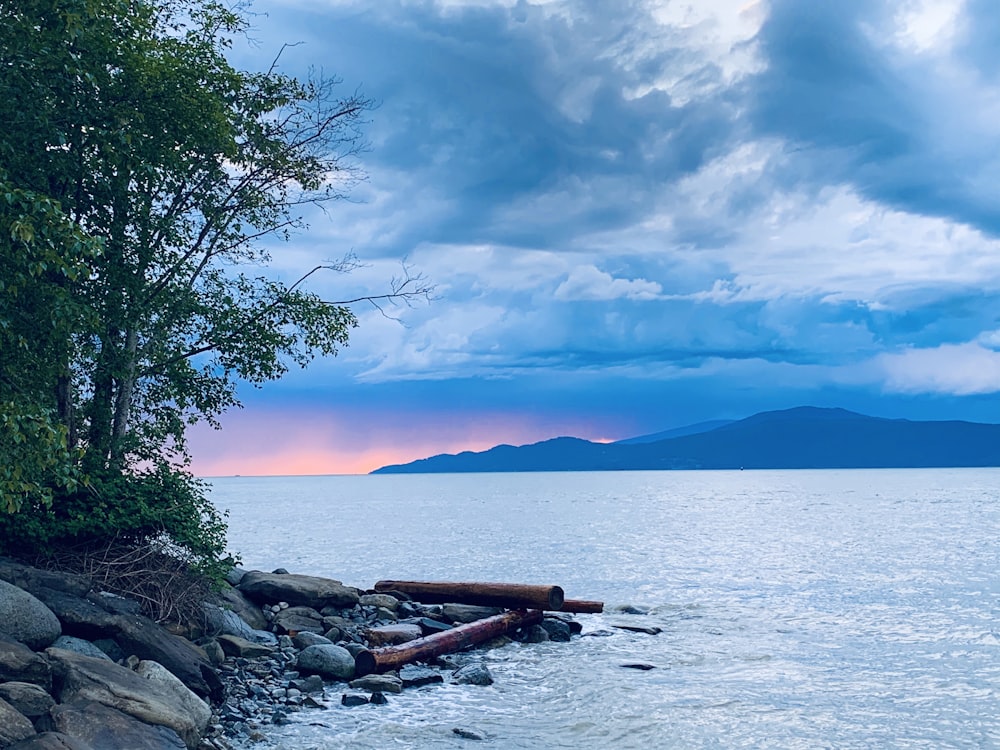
[298, 618]
[534, 634]
[468, 734]
[630, 609]
[105, 728]
[311, 684]
[233, 645]
[309, 591]
[412, 675]
[378, 699]
[50, 741]
[31, 579]
[353, 700]
[83, 679]
[18, 663]
[385, 601]
[212, 650]
[472, 674]
[28, 699]
[329, 661]
[26, 619]
[79, 617]
[14, 727]
[80, 646]
[557, 629]
[306, 638]
[467, 612]
[156, 673]
[234, 576]
[647, 629]
[234, 600]
[390, 635]
[639, 665]
[378, 683]
[385, 615]
[115, 604]
[429, 626]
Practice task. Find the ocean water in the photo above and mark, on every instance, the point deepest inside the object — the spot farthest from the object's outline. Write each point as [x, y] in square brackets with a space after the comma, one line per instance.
[799, 609]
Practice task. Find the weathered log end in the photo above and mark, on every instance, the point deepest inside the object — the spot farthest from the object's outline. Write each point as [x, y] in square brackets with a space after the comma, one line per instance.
[508, 595]
[582, 607]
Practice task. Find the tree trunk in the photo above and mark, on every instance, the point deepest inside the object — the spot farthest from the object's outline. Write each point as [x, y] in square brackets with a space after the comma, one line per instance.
[392, 657]
[581, 606]
[509, 595]
[123, 399]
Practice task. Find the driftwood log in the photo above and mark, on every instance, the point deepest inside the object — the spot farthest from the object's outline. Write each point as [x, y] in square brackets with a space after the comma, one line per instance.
[508, 595]
[582, 607]
[383, 659]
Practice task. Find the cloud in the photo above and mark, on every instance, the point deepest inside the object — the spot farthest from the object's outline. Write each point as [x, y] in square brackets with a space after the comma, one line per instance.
[959, 369]
[589, 283]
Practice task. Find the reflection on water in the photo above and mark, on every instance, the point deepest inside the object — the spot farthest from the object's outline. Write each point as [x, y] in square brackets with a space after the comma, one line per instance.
[799, 609]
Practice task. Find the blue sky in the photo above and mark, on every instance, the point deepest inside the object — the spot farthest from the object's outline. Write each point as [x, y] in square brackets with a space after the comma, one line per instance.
[640, 214]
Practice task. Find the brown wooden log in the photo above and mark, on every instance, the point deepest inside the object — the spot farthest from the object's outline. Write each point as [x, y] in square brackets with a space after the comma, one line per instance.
[582, 606]
[509, 595]
[472, 633]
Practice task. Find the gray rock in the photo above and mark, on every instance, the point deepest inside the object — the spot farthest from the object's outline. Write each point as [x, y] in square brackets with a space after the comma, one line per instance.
[234, 600]
[385, 615]
[378, 683]
[183, 698]
[115, 604]
[388, 635]
[309, 591]
[104, 728]
[235, 646]
[305, 639]
[378, 699]
[83, 679]
[557, 629]
[467, 612]
[234, 576]
[333, 662]
[79, 646]
[472, 674]
[212, 650]
[468, 734]
[233, 624]
[14, 727]
[534, 634]
[299, 618]
[412, 675]
[50, 741]
[311, 684]
[26, 619]
[386, 601]
[32, 579]
[430, 626]
[353, 700]
[647, 629]
[28, 699]
[18, 663]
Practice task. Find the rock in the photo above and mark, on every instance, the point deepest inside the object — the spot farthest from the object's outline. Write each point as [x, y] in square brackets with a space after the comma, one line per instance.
[309, 591]
[334, 662]
[295, 619]
[28, 699]
[104, 728]
[647, 629]
[234, 576]
[467, 612]
[230, 599]
[353, 700]
[639, 665]
[79, 617]
[630, 609]
[31, 579]
[183, 697]
[429, 626]
[311, 684]
[378, 683]
[235, 646]
[50, 741]
[557, 629]
[116, 605]
[390, 635]
[378, 699]
[18, 663]
[412, 675]
[472, 674]
[534, 634]
[83, 679]
[25, 618]
[212, 650]
[231, 623]
[305, 639]
[13, 726]
[80, 646]
[385, 601]
[468, 734]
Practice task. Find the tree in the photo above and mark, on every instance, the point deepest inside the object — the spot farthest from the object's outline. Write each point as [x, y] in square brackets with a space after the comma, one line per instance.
[151, 173]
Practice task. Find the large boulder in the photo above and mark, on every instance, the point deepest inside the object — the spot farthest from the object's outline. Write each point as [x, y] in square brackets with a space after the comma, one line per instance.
[32, 579]
[50, 741]
[334, 662]
[235, 600]
[296, 619]
[83, 679]
[183, 698]
[14, 726]
[308, 591]
[25, 618]
[390, 635]
[28, 699]
[79, 617]
[18, 663]
[103, 728]
[80, 646]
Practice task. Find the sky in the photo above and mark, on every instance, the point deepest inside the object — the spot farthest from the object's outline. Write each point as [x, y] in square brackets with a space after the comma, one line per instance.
[637, 215]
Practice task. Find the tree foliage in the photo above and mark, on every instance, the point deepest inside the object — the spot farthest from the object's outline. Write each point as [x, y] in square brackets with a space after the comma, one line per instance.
[142, 177]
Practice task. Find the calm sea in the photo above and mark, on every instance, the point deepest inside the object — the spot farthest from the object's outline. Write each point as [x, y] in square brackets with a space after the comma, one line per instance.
[799, 609]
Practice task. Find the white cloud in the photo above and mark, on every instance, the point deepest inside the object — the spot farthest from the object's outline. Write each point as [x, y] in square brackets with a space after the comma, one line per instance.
[956, 369]
[590, 283]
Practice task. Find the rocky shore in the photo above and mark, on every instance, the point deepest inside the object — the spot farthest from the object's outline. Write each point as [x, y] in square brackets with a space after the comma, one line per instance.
[83, 669]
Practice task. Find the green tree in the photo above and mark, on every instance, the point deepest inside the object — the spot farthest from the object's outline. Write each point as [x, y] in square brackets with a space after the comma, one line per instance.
[151, 175]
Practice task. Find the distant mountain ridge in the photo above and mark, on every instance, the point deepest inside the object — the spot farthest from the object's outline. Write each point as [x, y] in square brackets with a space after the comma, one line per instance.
[805, 437]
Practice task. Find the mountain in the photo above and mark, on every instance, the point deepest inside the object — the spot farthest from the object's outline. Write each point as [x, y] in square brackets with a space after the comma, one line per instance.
[691, 429]
[802, 438]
